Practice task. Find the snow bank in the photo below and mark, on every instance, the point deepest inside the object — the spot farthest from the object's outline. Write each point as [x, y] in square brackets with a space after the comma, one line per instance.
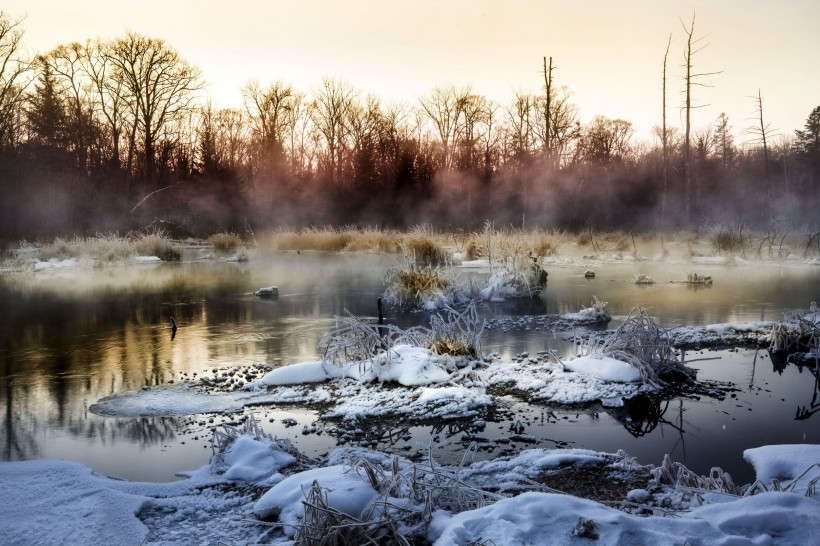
[532, 517]
[786, 463]
[545, 382]
[60, 502]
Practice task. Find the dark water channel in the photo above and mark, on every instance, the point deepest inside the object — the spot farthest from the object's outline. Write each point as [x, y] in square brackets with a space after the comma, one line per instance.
[68, 338]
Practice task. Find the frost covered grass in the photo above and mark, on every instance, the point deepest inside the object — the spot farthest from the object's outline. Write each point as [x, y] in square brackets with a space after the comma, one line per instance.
[100, 249]
[799, 331]
[452, 333]
[642, 278]
[644, 345]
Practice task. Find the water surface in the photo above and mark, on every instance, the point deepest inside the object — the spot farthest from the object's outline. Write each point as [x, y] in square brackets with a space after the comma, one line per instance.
[68, 338]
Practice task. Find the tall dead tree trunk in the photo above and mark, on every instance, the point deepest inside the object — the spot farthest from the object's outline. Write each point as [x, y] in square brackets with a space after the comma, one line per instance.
[548, 110]
[665, 138]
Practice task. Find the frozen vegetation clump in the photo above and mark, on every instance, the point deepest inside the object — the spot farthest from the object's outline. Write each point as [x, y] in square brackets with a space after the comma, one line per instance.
[694, 278]
[453, 333]
[798, 332]
[425, 287]
[645, 346]
[643, 279]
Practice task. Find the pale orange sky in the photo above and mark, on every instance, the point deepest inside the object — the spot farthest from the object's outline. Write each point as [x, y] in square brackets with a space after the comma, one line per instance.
[609, 53]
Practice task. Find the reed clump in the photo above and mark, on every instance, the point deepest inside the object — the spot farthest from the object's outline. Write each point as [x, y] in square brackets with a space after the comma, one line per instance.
[156, 243]
[414, 286]
[225, 242]
[424, 250]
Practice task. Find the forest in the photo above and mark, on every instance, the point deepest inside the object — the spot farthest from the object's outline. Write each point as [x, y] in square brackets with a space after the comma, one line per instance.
[118, 135]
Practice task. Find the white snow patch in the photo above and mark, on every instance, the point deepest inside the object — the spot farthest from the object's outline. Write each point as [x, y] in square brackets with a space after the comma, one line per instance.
[531, 517]
[604, 368]
[147, 259]
[251, 460]
[56, 263]
[346, 492]
[786, 463]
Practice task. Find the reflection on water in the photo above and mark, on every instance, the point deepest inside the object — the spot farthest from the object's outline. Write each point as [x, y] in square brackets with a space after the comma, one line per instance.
[69, 338]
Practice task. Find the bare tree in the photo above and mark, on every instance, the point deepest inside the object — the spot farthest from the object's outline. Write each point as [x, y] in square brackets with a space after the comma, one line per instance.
[665, 137]
[330, 107]
[14, 77]
[444, 106]
[109, 96]
[693, 47]
[763, 133]
[161, 86]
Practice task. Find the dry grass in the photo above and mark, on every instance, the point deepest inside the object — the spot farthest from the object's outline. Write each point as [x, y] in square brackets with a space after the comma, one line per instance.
[424, 250]
[727, 240]
[333, 239]
[400, 515]
[414, 286]
[107, 248]
[225, 243]
[157, 244]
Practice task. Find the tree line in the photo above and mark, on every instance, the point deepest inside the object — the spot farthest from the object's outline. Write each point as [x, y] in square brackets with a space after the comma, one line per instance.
[118, 134]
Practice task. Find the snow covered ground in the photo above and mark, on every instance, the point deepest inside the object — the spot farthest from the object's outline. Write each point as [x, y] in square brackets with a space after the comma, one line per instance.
[253, 477]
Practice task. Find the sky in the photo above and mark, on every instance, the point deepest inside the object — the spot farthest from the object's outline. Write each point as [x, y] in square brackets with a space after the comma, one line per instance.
[608, 53]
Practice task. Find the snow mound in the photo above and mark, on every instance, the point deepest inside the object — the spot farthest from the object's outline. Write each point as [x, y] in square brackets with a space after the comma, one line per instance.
[403, 364]
[604, 368]
[254, 460]
[786, 463]
[530, 517]
[346, 492]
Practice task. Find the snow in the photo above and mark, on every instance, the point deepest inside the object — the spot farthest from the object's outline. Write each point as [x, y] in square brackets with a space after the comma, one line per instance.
[346, 492]
[785, 463]
[56, 263]
[403, 364]
[147, 259]
[408, 381]
[604, 368]
[61, 502]
[249, 459]
[771, 518]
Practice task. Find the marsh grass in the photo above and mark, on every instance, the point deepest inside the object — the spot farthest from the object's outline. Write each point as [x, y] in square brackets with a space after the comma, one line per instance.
[694, 278]
[106, 248]
[225, 243]
[334, 239]
[424, 250]
[414, 286]
[156, 243]
[675, 474]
